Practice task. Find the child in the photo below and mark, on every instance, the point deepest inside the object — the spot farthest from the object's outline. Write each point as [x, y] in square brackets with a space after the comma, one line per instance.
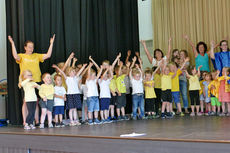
[201, 93]
[114, 93]
[136, 80]
[207, 98]
[30, 97]
[224, 94]
[46, 93]
[92, 95]
[213, 89]
[166, 95]
[175, 85]
[194, 87]
[105, 95]
[121, 88]
[59, 98]
[157, 89]
[73, 96]
[150, 96]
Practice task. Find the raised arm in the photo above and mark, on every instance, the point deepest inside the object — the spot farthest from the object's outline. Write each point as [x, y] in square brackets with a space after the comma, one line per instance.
[212, 50]
[183, 65]
[111, 73]
[49, 53]
[156, 70]
[120, 67]
[150, 58]
[116, 60]
[74, 62]
[187, 75]
[14, 51]
[130, 74]
[81, 70]
[94, 63]
[99, 73]
[68, 61]
[192, 45]
[133, 62]
[56, 67]
[198, 71]
[139, 69]
[85, 70]
[169, 49]
[128, 56]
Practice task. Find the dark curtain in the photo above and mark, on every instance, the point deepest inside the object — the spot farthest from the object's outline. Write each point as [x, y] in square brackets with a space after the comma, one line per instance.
[100, 28]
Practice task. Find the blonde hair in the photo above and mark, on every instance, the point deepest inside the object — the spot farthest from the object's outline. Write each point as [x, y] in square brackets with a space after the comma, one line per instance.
[22, 77]
[44, 75]
[148, 71]
[56, 76]
[135, 71]
[69, 69]
[106, 61]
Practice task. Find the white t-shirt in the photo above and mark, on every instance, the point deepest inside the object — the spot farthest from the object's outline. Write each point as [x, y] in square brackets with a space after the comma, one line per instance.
[137, 86]
[72, 85]
[104, 88]
[157, 63]
[84, 91]
[92, 88]
[60, 91]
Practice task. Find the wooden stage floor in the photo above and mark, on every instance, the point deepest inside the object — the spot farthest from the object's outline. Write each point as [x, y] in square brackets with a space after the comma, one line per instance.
[191, 129]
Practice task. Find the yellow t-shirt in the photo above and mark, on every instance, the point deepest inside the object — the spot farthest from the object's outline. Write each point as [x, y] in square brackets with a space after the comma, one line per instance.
[31, 62]
[194, 83]
[112, 85]
[201, 87]
[166, 82]
[214, 92]
[47, 91]
[120, 82]
[226, 82]
[29, 90]
[157, 79]
[149, 91]
[175, 81]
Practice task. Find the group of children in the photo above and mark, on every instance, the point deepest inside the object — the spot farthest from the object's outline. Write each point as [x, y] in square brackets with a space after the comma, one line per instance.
[104, 91]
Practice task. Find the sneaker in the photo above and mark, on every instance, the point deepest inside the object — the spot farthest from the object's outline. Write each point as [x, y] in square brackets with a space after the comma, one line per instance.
[156, 116]
[37, 124]
[212, 113]
[77, 122]
[103, 121]
[32, 126]
[96, 121]
[228, 114]
[90, 122]
[108, 121]
[186, 111]
[172, 113]
[119, 118]
[134, 118]
[72, 124]
[217, 113]
[202, 113]
[181, 114]
[126, 118]
[149, 117]
[27, 127]
[122, 118]
[198, 114]
[41, 126]
[113, 119]
[50, 125]
[206, 113]
[62, 124]
[162, 115]
[192, 114]
[57, 125]
[169, 115]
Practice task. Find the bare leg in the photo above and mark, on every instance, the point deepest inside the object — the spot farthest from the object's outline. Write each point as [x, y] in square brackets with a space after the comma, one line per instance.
[24, 112]
[43, 115]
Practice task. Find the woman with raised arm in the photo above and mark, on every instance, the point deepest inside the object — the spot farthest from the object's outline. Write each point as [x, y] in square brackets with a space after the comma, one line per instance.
[201, 54]
[30, 61]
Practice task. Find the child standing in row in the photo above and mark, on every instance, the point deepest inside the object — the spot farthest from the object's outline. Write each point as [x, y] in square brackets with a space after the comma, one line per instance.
[30, 97]
[207, 98]
[46, 93]
[59, 101]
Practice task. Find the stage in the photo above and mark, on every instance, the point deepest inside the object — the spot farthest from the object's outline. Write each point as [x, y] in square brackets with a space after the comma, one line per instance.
[179, 135]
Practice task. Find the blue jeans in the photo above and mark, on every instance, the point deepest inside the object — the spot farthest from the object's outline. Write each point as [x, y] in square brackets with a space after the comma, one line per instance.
[138, 101]
[184, 94]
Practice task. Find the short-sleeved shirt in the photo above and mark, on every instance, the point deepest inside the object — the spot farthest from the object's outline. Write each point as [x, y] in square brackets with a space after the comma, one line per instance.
[104, 88]
[175, 81]
[92, 88]
[194, 83]
[149, 91]
[120, 82]
[47, 91]
[157, 79]
[137, 86]
[113, 85]
[72, 85]
[166, 82]
[204, 61]
[28, 87]
[60, 91]
[31, 62]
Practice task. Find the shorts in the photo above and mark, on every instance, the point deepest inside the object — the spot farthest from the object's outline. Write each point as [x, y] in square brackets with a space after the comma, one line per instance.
[73, 101]
[176, 97]
[104, 103]
[113, 100]
[149, 105]
[93, 104]
[58, 110]
[49, 104]
[201, 97]
[215, 101]
[166, 95]
[121, 100]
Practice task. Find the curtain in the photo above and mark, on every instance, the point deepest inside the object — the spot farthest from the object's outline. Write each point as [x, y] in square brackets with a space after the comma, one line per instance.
[100, 28]
[201, 20]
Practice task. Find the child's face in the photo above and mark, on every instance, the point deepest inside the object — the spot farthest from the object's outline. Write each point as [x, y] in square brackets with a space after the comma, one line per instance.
[194, 71]
[58, 81]
[148, 76]
[176, 54]
[105, 76]
[182, 55]
[124, 70]
[93, 76]
[203, 75]
[207, 77]
[47, 79]
[28, 75]
[213, 75]
[137, 76]
[105, 65]
[158, 55]
[172, 68]
[72, 73]
[166, 72]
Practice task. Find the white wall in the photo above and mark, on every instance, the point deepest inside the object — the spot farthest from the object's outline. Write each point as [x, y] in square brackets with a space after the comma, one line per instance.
[3, 59]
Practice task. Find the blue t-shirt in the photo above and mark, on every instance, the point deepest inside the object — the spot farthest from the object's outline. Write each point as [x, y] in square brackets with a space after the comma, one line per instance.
[204, 61]
[222, 59]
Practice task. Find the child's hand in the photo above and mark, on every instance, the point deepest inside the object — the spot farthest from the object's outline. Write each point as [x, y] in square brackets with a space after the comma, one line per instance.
[113, 93]
[186, 37]
[44, 99]
[134, 59]
[128, 64]
[200, 67]
[90, 58]
[129, 53]
[212, 44]
[11, 39]
[137, 66]
[90, 64]
[64, 98]
[119, 94]
[84, 65]
[54, 66]
[170, 39]
[119, 55]
[74, 59]
[187, 59]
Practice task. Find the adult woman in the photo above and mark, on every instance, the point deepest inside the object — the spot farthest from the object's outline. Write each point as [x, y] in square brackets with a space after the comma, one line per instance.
[183, 80]
[201, 54]
[222, 58]
[30, 61]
